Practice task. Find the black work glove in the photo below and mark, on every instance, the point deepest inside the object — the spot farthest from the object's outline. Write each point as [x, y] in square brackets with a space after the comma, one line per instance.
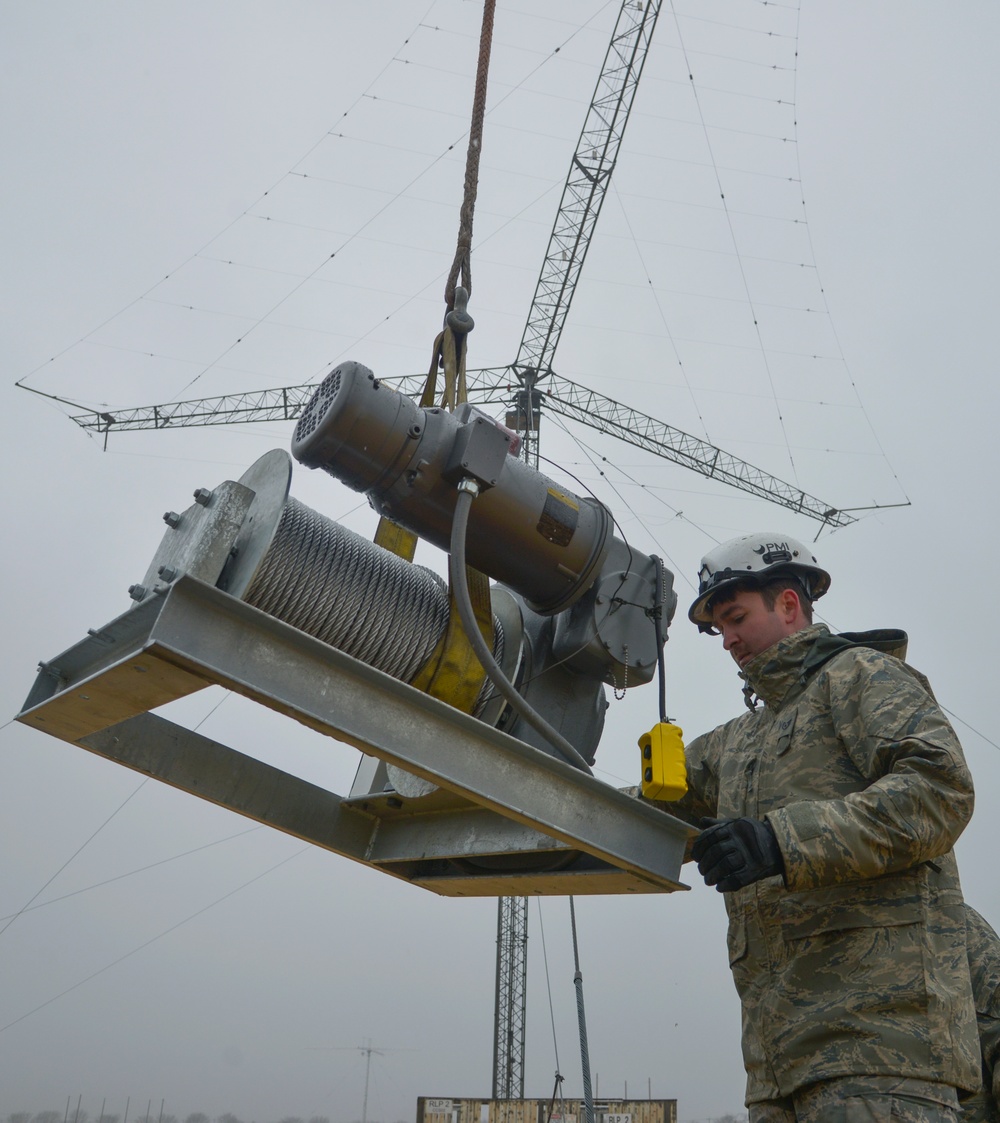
[732, 853]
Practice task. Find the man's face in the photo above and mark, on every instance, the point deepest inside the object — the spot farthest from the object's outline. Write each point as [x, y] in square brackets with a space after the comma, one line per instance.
[749, 627]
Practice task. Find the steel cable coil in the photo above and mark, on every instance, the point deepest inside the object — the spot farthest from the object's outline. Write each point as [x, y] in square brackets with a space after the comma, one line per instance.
[354, 595]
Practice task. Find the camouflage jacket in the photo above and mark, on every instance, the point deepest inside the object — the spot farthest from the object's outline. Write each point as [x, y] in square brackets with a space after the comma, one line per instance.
[854, 962]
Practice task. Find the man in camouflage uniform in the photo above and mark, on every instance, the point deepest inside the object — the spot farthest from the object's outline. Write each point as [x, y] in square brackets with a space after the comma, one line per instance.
[829, 812]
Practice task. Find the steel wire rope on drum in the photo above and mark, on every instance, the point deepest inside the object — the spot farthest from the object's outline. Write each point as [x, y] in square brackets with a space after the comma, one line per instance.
[322, 592]
[338, 623]
[356, 619]
[381, 631]
[431, 592]
[348, 592]
[425, 613]
[335, 624]
[297, 556]
[344, 624]
[388, 582]
[412, 611]
[325, 578]
[369, 603]
[264, 592]
[303, 549]
[329, 582]
[351, 600]
[315, 563]
[430, 614]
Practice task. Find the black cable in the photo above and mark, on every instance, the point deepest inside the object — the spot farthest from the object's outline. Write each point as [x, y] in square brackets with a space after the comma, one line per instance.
[467, 491]
[658, 624]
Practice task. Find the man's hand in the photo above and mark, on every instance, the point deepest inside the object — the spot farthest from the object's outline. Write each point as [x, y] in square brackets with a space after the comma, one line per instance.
[732, 853]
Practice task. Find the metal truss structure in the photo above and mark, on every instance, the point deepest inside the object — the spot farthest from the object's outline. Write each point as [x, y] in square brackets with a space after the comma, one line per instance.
[511, 997]
[579, 208]
[493, 386]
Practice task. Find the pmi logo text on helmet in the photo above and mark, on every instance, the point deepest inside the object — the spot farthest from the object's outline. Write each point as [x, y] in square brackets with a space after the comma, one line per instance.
[774, 552]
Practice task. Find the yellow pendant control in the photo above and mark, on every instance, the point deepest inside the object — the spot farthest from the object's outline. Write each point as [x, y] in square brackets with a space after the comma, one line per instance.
[664, 775]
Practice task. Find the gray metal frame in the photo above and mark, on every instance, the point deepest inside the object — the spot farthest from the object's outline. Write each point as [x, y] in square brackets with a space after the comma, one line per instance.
[509, 819]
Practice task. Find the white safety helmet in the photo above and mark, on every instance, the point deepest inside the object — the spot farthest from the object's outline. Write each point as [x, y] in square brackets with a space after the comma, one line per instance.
[760, 557]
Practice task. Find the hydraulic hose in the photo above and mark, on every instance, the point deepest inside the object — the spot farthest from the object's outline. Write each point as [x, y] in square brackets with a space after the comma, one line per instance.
[468, 489]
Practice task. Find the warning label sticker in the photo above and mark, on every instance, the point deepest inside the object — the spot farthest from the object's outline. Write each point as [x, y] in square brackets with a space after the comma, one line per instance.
[559, 518]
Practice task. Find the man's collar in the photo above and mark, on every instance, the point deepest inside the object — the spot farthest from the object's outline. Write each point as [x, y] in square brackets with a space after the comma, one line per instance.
[772, 673]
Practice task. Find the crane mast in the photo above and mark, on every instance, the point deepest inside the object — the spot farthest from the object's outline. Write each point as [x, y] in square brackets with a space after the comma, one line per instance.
[511, 995]
[583, 195]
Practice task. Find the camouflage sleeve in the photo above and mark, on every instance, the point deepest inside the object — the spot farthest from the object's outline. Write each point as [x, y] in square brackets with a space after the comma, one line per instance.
[983, 947]
[919, 795]
[702, 798]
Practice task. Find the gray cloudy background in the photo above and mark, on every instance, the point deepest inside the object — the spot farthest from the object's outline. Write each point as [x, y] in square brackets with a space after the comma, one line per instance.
[240, 971]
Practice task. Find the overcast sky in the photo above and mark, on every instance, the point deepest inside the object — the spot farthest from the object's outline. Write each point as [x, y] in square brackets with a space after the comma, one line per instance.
[149, 146]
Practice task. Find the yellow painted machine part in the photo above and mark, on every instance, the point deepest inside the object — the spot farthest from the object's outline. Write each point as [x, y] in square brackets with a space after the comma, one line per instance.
[453, 673]
[664, 774]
